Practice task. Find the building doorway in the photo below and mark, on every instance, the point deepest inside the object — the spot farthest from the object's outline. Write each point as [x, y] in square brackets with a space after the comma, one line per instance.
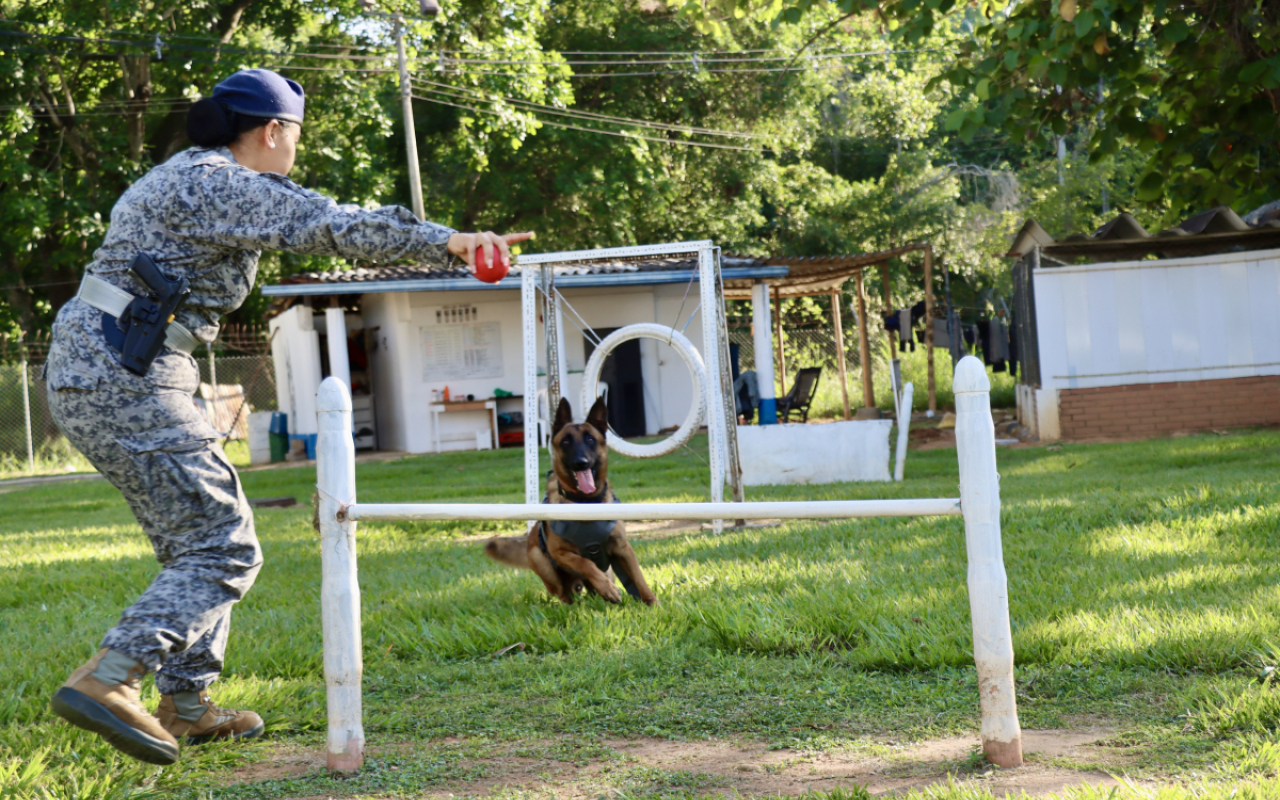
[623, 375]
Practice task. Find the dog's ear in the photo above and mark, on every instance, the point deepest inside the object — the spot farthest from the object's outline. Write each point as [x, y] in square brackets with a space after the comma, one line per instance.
[564, 416]
[598, 417]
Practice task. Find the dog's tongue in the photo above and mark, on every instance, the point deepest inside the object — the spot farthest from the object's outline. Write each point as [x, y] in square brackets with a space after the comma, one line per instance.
[586, 481]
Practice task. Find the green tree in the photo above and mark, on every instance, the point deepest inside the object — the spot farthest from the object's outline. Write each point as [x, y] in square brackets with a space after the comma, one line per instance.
[1195, 84]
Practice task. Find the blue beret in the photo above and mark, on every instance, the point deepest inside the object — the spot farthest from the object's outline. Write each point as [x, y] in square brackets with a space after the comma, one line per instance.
[261, 93]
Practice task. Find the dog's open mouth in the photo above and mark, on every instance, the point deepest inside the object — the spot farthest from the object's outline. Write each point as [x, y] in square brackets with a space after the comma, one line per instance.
[586, 481]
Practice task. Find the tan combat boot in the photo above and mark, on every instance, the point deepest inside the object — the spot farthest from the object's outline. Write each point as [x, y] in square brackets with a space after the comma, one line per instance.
[194, 716]
[102, 697]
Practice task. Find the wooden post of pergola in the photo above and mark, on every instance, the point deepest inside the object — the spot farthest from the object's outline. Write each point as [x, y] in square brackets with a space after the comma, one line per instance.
[928, 325]
[888, 304]
[811, 276]
[836, 315]
[782, 358]
[868, 396]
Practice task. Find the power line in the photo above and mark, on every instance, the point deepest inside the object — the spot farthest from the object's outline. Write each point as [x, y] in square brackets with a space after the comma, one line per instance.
[624, 134]
[187, 47]
[93, 105]
[661, 60]
[640, 52]
[663, 72]
[148, 39]
[359, 70]
[36, 285]
[587, 115]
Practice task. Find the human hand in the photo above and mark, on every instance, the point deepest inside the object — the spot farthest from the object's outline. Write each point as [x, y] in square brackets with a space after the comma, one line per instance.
[467, 244]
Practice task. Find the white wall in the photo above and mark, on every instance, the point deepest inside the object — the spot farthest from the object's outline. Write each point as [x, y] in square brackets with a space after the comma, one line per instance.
[1185, 319]
[665, 403]
[389, 315]
[295, 351]
[675, 384]
[402, 392]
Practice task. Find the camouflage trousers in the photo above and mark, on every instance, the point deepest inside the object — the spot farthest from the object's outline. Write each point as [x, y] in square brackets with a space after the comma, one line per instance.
[162, 454]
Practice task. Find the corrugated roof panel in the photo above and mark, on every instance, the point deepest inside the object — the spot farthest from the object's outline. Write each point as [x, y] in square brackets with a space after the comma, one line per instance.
[1218, 230]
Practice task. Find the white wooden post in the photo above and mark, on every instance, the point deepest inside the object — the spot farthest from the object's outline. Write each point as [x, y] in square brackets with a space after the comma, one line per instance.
[718, 450]
[762, 338]
[529, 344]
[339, 587]
[336, 324]
[904, 425]
[988, 585]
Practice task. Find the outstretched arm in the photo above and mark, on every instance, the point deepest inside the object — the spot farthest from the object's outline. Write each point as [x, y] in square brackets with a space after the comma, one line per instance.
[237, 208]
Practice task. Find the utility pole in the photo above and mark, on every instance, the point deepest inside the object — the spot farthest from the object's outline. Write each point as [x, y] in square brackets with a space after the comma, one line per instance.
[410, 135]
[430, 8]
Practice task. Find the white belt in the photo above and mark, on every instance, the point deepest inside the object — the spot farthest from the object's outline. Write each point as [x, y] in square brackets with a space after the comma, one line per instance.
[113, 300]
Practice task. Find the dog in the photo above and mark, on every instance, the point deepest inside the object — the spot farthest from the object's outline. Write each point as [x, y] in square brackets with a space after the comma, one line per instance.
[571, 556]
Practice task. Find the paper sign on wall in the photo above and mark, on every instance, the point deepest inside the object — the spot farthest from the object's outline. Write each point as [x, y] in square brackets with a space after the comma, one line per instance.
[459, 352]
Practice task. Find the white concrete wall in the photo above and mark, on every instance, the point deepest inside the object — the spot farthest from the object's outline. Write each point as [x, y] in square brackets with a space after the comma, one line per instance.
[1185, 319]
[389, 315]
[675, 382]
[296, 353]
[773, 455]
[667, 386]
[1038, 412]
[402, 393]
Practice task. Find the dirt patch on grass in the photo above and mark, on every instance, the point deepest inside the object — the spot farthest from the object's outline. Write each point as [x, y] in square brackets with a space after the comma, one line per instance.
[283, 761]
[1056, 760]
[755, 770]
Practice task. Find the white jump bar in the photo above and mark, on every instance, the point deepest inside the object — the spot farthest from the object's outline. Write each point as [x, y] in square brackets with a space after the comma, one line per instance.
[518, 512]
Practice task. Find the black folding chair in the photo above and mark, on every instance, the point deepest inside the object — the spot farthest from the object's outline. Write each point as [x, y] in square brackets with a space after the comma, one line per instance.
[801, 395]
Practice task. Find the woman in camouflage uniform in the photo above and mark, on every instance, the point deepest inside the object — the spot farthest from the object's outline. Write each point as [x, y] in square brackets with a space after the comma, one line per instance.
[204, 215]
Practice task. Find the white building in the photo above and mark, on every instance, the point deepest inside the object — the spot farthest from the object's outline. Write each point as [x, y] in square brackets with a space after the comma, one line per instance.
[413, 331]
[1115, 344]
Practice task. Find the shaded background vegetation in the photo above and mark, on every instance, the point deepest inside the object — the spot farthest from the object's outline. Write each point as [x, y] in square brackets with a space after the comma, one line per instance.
[865, 126]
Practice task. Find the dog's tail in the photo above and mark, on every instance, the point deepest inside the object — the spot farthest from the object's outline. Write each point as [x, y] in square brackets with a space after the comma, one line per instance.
[510, 550]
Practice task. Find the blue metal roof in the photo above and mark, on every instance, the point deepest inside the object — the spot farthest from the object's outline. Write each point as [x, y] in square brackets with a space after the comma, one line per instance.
[394, 283]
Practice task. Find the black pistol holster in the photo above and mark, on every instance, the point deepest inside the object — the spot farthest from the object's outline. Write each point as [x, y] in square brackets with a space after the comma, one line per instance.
[139, 332]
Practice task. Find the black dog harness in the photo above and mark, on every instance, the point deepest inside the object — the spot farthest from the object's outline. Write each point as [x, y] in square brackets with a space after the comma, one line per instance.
[589, 538]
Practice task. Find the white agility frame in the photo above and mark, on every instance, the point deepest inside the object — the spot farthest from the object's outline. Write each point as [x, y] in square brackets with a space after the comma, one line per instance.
[979, 504]
[717, 425]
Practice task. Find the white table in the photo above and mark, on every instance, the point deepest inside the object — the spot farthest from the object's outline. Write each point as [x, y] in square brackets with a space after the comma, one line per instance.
[466, 405]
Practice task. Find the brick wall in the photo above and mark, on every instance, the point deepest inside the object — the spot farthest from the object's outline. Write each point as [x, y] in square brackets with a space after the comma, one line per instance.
[1147, 410]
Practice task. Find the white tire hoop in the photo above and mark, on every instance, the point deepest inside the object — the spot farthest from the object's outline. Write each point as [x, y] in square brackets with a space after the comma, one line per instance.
[692, 359]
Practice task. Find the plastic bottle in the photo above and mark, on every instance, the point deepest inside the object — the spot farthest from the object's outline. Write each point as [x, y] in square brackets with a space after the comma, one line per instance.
[446, 394]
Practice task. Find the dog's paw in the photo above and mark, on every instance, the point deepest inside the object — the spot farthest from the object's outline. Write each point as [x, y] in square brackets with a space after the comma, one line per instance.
[612, 594]
[649, 599]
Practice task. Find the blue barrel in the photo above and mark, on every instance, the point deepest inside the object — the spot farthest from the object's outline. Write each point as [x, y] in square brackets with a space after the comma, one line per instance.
[278, 436]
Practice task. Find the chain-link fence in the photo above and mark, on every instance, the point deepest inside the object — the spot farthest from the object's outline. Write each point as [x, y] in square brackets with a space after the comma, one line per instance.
[232, 386]
[239, 378]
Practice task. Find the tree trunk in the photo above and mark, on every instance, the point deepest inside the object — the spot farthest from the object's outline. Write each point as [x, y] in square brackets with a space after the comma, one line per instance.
[137, 83]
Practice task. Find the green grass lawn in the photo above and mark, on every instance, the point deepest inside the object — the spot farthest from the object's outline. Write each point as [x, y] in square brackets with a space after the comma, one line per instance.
[1144, 595]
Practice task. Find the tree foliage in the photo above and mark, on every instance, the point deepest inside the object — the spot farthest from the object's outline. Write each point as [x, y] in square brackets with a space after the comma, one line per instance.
[1194, 84]
[592, 122]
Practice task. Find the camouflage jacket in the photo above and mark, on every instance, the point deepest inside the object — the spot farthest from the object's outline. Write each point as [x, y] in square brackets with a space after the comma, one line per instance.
[202, 216]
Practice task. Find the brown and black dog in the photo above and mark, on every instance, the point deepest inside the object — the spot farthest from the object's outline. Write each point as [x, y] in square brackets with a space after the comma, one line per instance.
[569, 556]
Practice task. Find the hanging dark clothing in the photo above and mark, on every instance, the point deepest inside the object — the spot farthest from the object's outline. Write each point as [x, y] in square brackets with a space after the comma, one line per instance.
[995, 344]
[903, 320]
[1013, 350]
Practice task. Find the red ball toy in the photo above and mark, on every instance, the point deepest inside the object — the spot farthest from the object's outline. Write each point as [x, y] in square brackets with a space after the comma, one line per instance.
[489, 272]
